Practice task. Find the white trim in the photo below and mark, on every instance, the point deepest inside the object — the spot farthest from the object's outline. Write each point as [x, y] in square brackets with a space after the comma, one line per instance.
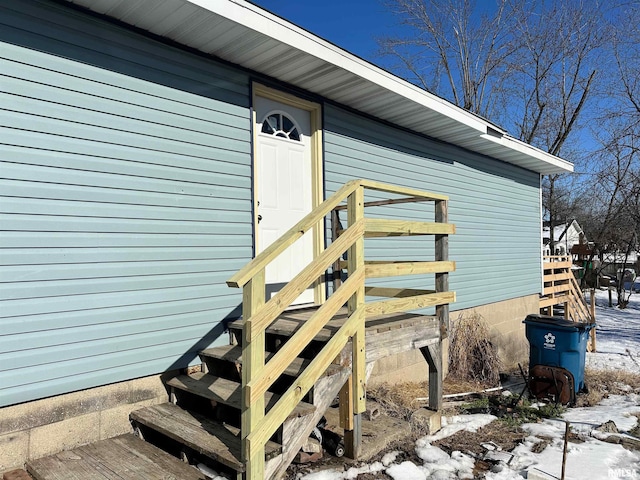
[273, 26]
[186, 21]
[522, 147]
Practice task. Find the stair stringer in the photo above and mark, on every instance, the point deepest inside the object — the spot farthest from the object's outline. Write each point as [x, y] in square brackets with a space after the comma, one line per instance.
[297, 430]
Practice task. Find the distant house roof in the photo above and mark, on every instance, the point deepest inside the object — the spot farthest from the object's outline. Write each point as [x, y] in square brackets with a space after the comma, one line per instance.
[561, 232]
[247, 35]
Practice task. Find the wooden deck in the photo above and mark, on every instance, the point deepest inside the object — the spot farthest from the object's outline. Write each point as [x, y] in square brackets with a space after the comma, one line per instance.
[121, 458]
[385, 334]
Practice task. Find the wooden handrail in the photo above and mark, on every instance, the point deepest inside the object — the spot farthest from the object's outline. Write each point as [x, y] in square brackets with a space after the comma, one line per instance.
[265, 257]
[257, 376]
[264, 429]
[292, 290]
[301, 338]
[563, 288]
[396, 189]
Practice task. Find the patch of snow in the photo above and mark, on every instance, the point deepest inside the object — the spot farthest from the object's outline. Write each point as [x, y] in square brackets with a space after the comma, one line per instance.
[457, 423]
[429, 453]
[618, 408]
[406, 471]
[616, 334]
[325, 475]
[389, 458]
[591, 459]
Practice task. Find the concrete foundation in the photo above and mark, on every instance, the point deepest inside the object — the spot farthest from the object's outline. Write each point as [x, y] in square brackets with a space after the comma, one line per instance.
[43, 427]
[506, 331]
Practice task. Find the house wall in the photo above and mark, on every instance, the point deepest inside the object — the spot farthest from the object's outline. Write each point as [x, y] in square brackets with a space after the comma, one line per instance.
[495, 206]
[125, 202]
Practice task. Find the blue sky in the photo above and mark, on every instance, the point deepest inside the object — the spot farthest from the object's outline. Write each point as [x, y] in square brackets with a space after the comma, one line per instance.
[350, 24]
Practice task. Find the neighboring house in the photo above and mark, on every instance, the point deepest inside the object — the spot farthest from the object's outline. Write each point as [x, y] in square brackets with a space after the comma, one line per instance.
[614, 264]
[565, 236]
[141, 144]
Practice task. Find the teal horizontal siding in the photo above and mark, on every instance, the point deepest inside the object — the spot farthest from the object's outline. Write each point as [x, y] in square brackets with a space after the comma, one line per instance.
[495, 207]
[106, 368]
[20, 325]
[56, 271]
[125, 201]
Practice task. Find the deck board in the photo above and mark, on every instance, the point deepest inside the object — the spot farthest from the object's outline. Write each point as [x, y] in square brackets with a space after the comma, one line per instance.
[290, 321]
[233, 354]
[121, 458]
[215, 440]
[228, 392]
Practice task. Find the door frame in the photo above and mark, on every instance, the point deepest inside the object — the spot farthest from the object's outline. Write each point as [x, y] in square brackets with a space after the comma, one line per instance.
[317, 180]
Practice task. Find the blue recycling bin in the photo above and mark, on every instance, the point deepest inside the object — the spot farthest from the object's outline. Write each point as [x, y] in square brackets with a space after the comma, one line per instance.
[557, 342]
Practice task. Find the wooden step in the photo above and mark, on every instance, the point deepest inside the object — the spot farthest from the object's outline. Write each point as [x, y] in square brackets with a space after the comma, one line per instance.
[290, 321]
[124, 457]
[233, 354]
[227, 392]
[215, 440]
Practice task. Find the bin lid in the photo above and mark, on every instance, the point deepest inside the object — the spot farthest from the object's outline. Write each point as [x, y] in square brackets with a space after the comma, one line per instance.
[557, 322]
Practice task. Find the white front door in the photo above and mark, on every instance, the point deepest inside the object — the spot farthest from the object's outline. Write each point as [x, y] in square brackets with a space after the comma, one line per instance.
[284, 188]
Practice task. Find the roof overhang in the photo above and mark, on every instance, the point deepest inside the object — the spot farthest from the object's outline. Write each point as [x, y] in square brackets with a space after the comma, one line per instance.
[247, 35]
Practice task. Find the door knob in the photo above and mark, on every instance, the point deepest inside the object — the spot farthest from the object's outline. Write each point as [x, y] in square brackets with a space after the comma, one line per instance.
[259, 218]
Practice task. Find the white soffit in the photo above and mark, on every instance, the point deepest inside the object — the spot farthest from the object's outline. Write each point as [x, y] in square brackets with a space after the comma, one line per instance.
[246, 35]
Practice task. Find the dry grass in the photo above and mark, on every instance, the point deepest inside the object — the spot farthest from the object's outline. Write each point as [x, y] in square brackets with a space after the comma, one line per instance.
[603, 383]
[472, 356]
[399, 400]
[402, 399]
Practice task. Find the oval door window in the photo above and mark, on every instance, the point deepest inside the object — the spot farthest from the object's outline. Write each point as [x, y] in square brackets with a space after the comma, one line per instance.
[280, 125]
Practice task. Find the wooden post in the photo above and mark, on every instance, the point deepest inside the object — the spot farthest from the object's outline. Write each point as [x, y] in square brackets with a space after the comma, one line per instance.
[433, 353]
[433, 356]
[355, 261]
[442, 279]
[335, 227]
[592, 307]
[564, 449]
[253, 355]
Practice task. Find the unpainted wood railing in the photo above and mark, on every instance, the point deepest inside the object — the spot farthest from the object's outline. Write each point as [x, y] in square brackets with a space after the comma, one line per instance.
[257, 427]
[561, 288]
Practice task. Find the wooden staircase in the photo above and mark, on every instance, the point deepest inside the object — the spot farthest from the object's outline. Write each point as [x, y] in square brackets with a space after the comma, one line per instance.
[257, 402]
[563, 295]
[562, 289]
[202, 423]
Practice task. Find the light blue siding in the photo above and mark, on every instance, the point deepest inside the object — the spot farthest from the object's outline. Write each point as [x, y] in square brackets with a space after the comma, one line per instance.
[495, 206]
[125, 201]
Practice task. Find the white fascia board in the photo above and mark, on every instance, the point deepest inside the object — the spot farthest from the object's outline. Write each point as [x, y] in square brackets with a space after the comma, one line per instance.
[550, 163]
[264, 22]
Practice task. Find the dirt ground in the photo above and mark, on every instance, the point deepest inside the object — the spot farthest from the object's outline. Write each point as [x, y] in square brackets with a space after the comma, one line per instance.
[401, 401]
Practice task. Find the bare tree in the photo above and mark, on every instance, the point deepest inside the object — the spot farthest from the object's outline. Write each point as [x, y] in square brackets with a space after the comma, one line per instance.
[613, 219]
[452, 49]
[529, 65]
[617, 180]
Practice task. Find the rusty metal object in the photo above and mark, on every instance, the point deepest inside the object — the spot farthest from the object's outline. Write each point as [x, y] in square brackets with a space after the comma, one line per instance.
[554, 384]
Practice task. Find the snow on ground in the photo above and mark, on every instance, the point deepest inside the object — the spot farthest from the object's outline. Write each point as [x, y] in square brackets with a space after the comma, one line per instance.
[618, 347]
[617, 334]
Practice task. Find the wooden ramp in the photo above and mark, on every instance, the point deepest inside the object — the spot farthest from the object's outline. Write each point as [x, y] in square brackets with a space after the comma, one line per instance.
[121, 458]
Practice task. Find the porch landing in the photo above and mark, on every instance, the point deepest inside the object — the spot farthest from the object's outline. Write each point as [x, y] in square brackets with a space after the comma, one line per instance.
[121, 458]
[385, 335]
